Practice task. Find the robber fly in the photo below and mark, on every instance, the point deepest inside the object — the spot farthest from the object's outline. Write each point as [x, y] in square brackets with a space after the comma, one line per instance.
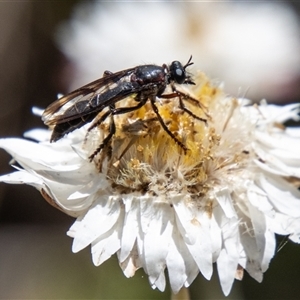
[145, 82]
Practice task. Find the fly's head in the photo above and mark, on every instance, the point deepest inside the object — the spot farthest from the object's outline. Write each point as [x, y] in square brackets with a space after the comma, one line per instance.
[178, 74]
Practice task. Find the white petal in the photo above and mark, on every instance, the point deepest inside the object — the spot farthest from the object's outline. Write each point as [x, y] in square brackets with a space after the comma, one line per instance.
[285, 225]
[98, 220]
[191, 268]
[131, 264]
[265, 240]
[283, 196]
[37, 156]
[160, 282]
[276, 166]
[108, 243]
[295, 237]
[176, 263]
[259, 199]
[293, 132]
[186, 217]
[38, 134]
[157, 237]
[253, 265]
[201, 250]
[37, 111]
[130, 229]
[250, 248]
[140, 246]
[227, 261]
[270, 247]
[21, 177]
[242, 260]
[61, 193]
[279, 113]
[259, 228]
[96, 184]
[284, 162]
[224, 199]
[225, 270]
[278, 141]
[216, 238]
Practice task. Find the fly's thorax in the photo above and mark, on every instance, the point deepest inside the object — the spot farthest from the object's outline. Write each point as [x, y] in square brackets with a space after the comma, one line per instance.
[149, 74]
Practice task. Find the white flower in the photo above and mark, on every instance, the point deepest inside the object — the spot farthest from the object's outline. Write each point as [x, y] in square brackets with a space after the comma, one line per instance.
[158, 207]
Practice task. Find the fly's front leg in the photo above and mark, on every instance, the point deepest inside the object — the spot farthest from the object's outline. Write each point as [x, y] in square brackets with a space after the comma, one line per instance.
[164, 126]
[181, 95]
[182, 106]
[189, 98]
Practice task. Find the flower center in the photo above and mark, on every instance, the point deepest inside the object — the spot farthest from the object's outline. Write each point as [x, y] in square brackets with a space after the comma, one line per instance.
[143, 157]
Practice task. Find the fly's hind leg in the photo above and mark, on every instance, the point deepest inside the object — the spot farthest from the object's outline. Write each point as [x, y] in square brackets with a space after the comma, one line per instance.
[112, 129]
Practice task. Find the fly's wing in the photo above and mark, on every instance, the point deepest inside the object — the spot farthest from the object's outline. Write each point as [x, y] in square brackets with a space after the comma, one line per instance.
[85, 111]
[90, 99]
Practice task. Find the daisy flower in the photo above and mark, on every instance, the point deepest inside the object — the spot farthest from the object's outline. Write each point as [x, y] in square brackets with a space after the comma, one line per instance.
[160, 206]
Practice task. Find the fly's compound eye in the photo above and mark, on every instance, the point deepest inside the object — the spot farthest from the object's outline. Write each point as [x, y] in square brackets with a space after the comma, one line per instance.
[177, 72]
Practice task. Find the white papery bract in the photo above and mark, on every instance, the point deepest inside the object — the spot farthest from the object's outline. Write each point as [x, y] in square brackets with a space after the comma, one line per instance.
[157, 207]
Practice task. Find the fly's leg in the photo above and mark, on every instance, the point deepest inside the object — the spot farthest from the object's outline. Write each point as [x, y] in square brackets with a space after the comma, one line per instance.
[112, 129]
[97, 122]
[186, 97]
[183, 107]
[115, 111]
[192, 100]
[164, 126]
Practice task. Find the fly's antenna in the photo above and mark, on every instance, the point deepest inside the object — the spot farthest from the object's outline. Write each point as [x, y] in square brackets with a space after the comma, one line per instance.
[188, 79]
[189, 63]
